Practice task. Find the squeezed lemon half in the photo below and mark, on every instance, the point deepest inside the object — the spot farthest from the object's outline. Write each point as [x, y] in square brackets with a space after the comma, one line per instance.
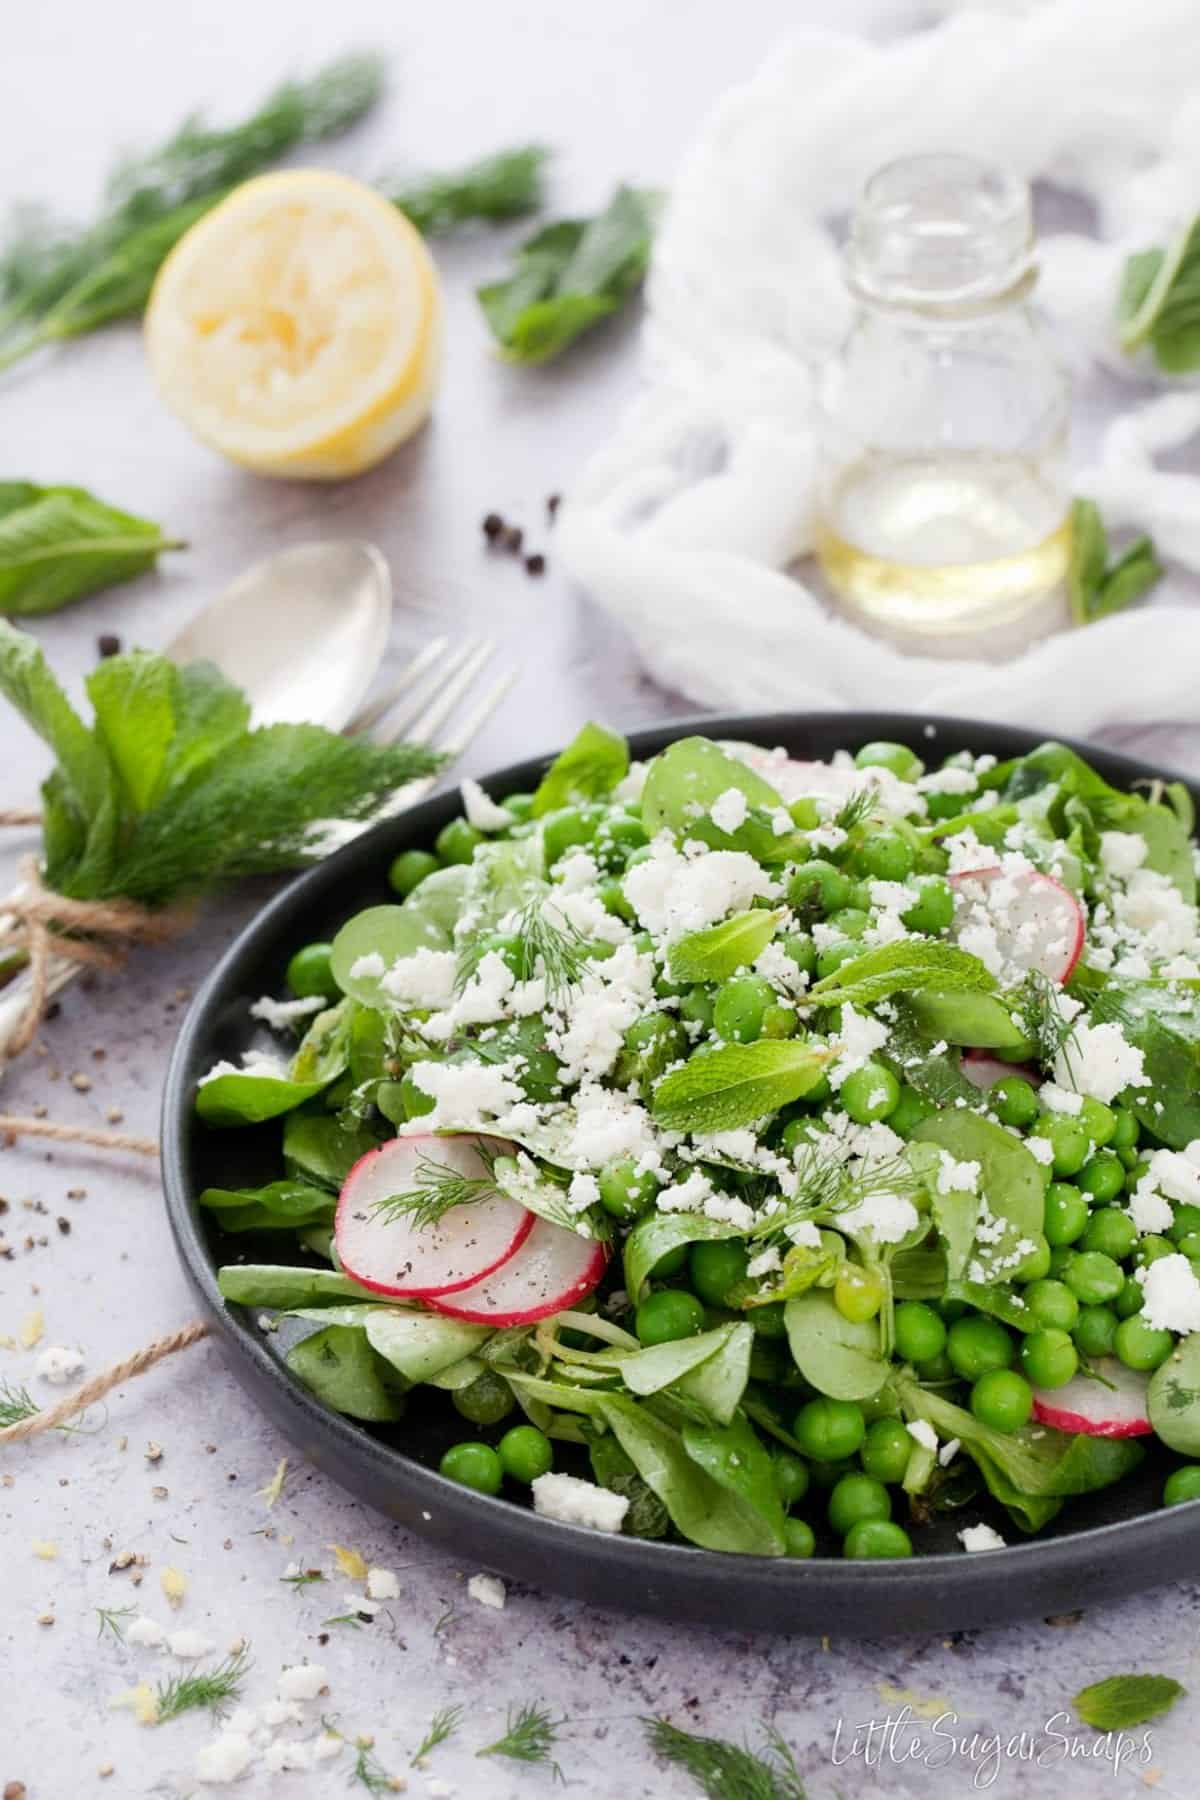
[296, 328]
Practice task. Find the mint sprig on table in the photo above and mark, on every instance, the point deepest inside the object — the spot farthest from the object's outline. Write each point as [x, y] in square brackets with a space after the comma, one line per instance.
[1097, 588]
[1124, 1700]
[169, 792]
[569, 276]
[1159, 302]
[59, 543]
[505, 186]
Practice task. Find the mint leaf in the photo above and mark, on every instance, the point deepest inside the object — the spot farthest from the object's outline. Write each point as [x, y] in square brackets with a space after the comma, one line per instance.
[59, 543]
[906, 966]
[495, 188]
[732, 1086]
[1124, 1700]
[1159, 302]
[714, 953]
[1095, 589]
[591, 766]
[570, 275]
[133, 699]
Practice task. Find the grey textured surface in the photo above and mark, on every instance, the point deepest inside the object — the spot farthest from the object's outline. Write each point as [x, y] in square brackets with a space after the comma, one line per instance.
[620, 87]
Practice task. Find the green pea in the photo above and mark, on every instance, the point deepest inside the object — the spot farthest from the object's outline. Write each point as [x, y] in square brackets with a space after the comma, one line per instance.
[616, 837]
[525, 1453]
[696, 1007]
[870, 1092]
[456, 842]
[936, 1370]
[829, 1430]
[1125, 1128]
[473, 1465]
[1190, 1245]
[309, 974]
[1103, 1178]
[919, 1332]
[1052, 1303]
[1139, 1345]
[716, 1267]
[855, 1498]
[769, 1321]
[519, 805]
[1135, 1172]
[886, 1450]
[834, 956]
[612, 898]
[799, 946]
[858, 1293]
[1110, 1231]
[1182, 1484]
[484, 1401]
[904, 763]
[885, 856]
[739, 1008]
[909, 1111]
[1098, 1120]
[408, 870]
[851, 921]
[1130, 1299]
[780, 1021]
[1185, 1222]
[1096, 1330]
[626, 1192]
[669, 1314]
[1049, 1358]
[1035, 1265]
[791, 1476]
[1003, 1399]
[1153, 1246]
[1014, 1101]
[976, 1346]
[798, 1539]
[1066, 1214]
[1093, 1277]
[804, 813]
[648, 1048]
[872, 1539]
[565, 829]
[933, 909]
[670, 1263]
[817, 888]
[1067, 1139]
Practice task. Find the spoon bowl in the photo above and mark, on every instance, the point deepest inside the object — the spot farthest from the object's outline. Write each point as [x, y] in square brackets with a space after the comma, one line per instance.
[302, 632]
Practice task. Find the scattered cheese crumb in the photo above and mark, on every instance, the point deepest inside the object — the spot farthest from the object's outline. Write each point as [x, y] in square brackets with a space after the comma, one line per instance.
[382, 1584]
[980, 1537]
[188, 1645]
[948, 1452]
[282, 1712]
[279, 1014]
[489, 1590]
[146, 1633]
[59, 1365]
[367, 968]
[576, 1502]
[302, 1682]
[140, 1701]
[923, 1432]
[1172, 1294]
[225, 1759]
[729, 810]
[481, 810]
[46, 1548]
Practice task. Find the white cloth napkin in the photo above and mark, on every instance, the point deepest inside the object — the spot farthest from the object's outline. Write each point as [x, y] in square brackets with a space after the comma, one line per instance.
[685, 525]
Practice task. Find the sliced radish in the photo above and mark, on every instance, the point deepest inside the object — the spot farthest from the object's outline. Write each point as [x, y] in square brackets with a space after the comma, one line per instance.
[983, 1070]
[1027, 921]
[396, 1255]
[1089, 1406]
[552, 1269]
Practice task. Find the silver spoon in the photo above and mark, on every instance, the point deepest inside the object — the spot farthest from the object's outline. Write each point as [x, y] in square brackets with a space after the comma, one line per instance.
[302, 632]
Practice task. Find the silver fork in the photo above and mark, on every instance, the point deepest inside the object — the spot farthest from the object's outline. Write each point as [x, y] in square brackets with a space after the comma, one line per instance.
[439, 678]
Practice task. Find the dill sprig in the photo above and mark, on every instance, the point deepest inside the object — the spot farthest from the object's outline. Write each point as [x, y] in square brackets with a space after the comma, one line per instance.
[858, 808]
[530, 1735]
[303, 1579]
[357, 1620]
[538, 945]
[110, 1618]
[438, 1190]
[827, 1186]
[1041, 1016]
[16, 1403]
[212, 1689]
[725, 1771]
[443, 1725]
[371, 1773]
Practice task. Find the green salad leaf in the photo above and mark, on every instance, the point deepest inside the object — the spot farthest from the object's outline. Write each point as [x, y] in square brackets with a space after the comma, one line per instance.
[1162, 1020]
[737, 1084]
[569, 276]
[1010, 1182]
[339, 1366]
[840, 1357]
[686, 780]
[712, 1369]
[1159, 302]
[320, 1149]
[243, 1098]
[1096, 587]
[719, 950]
[657, 1234]
[59, 543]
[284, 1288]
[1173, 1400]
[279, 1206]
[592, 765]
[1120, 1701]
[504, 186]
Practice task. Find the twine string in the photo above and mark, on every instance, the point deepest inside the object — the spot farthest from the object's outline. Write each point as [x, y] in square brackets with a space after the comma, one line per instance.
[100, 1385]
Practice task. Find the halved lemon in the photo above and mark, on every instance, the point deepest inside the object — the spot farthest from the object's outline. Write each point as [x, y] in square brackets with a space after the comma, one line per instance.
[296, 328]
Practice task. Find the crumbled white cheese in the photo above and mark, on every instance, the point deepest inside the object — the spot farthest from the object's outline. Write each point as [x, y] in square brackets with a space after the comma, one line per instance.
[1059, 1099]
[923, 1432]
[382, 1584]
[674, 894]
[583, 1191]
[254, 1062]
[328, 1745]
[859, 1036]
[188, 1645]
[609, 1124]
[1099, 1061]
[489, 1590]
[576, 1502]
[805, 1234]
[224, 1760]
[765, 1263]
[957, 1177]
[590, 1022]
[59, 1365]
[948, 1452]
[577, 872]
[481, 810]
[1176, 1173]
[282, 1712]
[279, 1014]
[281, 1756]
[1122, 853]
[146, 1633]
[304, 1681]
[886, 1217]
[464, 1094]
[367, 968]
[1040, 1148]
[980, 1537]
[1148, 1209]
[729, 810]
[1172, 1295]
[426, 978]
[1153, 908]
[948, 781]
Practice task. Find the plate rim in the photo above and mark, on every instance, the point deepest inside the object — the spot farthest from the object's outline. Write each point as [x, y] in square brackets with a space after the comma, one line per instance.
[933, 1591]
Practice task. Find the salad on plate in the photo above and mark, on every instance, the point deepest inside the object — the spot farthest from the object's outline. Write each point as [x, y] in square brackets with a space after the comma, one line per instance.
[758, 1153]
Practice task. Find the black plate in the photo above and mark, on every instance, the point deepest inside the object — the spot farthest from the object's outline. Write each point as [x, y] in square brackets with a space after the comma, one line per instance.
[1100, 1547]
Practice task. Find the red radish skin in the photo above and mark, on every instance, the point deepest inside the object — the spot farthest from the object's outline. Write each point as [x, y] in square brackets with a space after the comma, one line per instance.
[1041, 902]
[396, 1256]
[1089, 1407]
[983, 1070]
[552, 1269]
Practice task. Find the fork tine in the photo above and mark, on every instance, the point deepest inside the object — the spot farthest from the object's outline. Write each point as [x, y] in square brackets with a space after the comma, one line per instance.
[421, 729]
[453, 747]
[448, 666]
[369, 715]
